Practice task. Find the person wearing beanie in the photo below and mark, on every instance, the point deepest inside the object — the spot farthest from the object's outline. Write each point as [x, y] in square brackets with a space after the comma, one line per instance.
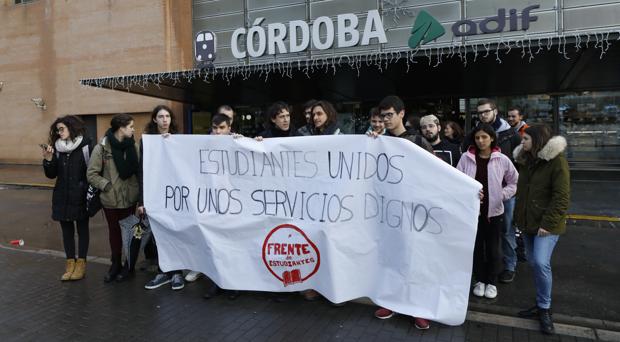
[447, 151]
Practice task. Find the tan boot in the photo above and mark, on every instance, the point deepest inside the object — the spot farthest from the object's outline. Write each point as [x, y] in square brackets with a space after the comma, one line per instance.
[70, 266]
[80, 269]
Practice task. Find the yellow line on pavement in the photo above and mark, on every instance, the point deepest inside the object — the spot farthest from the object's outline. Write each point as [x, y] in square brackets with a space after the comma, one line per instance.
[594, 218]
[28, 184]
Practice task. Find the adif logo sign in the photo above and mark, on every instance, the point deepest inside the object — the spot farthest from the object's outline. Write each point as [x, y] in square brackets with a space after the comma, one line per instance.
[426, 28]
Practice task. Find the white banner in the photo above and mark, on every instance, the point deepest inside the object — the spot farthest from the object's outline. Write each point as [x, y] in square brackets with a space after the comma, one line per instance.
[349, 216]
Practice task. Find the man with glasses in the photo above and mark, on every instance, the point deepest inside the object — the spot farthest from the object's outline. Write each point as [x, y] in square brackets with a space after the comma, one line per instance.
[507, 140]
[392, 109]
[447, 151]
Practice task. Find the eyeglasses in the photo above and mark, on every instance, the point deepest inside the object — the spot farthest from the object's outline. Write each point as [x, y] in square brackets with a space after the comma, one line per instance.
[388, 115]
[485, 111]
[60, 129]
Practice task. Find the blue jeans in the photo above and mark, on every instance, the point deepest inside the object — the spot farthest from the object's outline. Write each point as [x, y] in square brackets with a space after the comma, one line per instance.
[509, 240]
[539, 250]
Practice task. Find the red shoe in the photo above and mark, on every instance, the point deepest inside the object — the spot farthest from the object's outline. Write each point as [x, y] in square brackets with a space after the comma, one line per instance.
[421, 323]
[384, 313]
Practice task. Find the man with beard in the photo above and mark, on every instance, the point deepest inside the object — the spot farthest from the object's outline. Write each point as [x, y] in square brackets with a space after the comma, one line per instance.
[515, 120]
[449, 152]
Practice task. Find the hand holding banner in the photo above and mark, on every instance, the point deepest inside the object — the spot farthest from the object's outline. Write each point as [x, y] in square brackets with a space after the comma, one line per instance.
[348, 216]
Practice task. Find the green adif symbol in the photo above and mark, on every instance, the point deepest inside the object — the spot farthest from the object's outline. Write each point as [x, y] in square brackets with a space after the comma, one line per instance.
[425, 29]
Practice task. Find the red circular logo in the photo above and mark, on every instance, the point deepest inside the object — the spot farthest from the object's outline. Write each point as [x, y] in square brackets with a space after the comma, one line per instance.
[289, 255]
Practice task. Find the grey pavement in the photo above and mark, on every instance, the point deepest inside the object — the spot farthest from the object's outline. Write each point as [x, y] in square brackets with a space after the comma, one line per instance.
[38, 307]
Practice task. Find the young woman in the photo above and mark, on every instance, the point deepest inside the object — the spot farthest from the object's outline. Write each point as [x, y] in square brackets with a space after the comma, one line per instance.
[324, 117]
[543, 195]
[65, 158]
[453, 132]
[162, 122]
[485, 162]
[113, 169]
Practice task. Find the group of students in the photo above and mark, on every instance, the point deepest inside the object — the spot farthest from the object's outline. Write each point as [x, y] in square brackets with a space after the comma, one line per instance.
[519, 167]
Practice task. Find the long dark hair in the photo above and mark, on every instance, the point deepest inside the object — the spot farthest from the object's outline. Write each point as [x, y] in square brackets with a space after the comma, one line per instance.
[151, 127]
[328, 108]
[540, 134]
[74, 124]
[458, 131]
[486, 128]
[120, 120]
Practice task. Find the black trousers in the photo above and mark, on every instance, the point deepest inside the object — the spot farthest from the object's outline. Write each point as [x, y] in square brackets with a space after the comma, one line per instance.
[488, 249]
[68, 237]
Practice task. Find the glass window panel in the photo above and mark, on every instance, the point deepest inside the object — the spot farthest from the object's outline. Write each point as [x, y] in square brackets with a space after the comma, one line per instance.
[589, 121]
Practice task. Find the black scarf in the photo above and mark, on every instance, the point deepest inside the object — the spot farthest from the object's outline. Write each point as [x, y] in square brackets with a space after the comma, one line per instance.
[124, 155]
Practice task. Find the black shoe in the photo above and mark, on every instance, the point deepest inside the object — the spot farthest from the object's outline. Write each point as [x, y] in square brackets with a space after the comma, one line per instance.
[507, 277]
[546, 323]
[529, 313]
[213, 291]
[124, 274]
[233, 294]
[114, 270]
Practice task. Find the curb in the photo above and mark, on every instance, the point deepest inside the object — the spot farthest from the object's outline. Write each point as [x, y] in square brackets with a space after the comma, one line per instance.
[586, 322]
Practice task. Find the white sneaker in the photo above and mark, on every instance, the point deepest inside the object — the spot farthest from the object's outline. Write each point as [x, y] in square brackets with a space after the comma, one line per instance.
[479, 289]
[192, 276]
[490, 292]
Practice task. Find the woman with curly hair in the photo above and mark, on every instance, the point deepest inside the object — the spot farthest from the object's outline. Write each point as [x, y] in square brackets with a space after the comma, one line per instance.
[66, 158]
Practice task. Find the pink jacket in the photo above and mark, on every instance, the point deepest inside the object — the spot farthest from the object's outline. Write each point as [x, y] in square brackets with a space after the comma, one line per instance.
[501, 171]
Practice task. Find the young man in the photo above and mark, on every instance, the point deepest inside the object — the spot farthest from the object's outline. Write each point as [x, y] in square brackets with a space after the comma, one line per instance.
[515, 120]
[307, 129]
[228, 111]
[376, 122]
[449, 152]
[220, 125]
[507, 140]
[162, 122]
[279, 124]
[392, 109]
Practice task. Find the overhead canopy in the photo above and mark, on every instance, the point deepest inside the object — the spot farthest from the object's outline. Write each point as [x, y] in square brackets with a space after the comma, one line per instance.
[554, 69]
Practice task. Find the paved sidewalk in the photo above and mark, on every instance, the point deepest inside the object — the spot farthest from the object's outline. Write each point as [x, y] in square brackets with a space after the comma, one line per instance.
[36, 306]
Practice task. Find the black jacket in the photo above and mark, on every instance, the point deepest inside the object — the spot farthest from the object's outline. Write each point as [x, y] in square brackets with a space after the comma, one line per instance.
[69, 196]
[275, 132]
[415, 138]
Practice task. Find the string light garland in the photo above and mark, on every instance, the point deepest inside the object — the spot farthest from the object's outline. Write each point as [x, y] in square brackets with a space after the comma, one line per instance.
[528, 48]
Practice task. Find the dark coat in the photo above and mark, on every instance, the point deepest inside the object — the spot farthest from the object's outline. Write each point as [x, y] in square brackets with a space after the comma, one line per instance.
[543, 190]
[69, 196]
[274, 132]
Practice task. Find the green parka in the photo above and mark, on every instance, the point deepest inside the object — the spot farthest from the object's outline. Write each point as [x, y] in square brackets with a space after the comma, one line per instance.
[116, 193]
[543, 189]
